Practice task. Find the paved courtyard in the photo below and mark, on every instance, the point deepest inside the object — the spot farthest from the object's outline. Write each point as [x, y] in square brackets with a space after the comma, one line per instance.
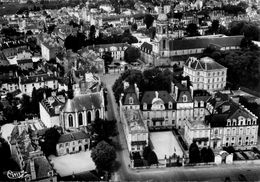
[165, 143]
[73, 163]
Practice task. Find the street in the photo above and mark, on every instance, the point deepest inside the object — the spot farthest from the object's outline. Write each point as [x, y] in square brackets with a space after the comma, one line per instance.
[213, 173]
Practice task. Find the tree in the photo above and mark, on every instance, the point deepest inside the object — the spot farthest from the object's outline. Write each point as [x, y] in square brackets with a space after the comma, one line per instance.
[92, 33]
[103, 155]
[148, 20]
[107, 57]
[146, 152]
[51, 138]
[104, 129]
[134, 27]
[51, 28]
[5, 154]
[152, 158]
[194, 153]
[192, 30]
[249, 29]
[132, 54]
[26, 104]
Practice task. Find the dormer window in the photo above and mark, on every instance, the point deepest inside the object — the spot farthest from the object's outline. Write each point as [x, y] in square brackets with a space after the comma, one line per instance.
[196, 103]
[145, 106]
[201, 104]
[184, 98]
[170, 105]
[131, 100]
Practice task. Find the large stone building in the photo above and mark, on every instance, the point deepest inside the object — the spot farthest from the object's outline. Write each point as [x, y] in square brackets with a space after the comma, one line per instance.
[205, 74]
[82, 110]
[135, 129]
[231, 124]
[159, 110]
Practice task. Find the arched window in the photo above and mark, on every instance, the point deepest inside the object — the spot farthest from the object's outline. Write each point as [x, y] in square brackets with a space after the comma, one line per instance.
[170, 105]
[184, 98]
[80, 119]
[70, 121]
[164, 44]
[97, 114]
[131, 100]
[89, 117]
[144, 106]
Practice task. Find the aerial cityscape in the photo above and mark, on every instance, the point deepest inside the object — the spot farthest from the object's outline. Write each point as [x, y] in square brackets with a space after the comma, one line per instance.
[129, 90]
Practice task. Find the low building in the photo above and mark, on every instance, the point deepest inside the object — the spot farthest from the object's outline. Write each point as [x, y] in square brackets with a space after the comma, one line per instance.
[117, 50]
[27, 83]
[136, 131]
[25, 64]
[72, 143]
[50, 110]
[205, 74]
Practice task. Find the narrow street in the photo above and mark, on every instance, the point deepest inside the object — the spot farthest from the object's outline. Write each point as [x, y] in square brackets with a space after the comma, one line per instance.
[214, 173]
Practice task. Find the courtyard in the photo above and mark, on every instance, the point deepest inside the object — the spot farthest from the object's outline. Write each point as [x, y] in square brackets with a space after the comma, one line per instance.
[165, 144]
[67, 165]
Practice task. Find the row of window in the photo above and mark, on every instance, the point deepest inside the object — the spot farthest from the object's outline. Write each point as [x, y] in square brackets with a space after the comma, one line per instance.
[73, 143]
[80, 118]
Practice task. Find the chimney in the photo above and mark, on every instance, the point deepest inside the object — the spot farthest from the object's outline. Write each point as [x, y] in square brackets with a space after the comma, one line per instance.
[184, 82]
[172, 88]
[136, 91]
[191, 91]
[126, 85]
[176, 92]
[156, 95]
[32, 169]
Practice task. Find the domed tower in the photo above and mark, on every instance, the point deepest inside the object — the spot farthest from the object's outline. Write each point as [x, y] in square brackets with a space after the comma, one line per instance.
[162, 24]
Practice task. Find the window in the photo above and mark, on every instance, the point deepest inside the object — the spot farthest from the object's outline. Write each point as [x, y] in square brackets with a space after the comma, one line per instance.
[145, 106]
[216, 132]
[131, 100]
[184, 98]
[88, 117]
[164, 44]
[67, 144]
[61, 146]
[223, 72]
[70, 121]
[170, 105]
[80, 120]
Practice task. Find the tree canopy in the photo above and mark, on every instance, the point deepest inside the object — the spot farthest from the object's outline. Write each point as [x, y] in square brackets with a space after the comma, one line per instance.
[148, 20]
[192, 30]
[103, 155]
[132, 54]
[194, 153]
[249, 29]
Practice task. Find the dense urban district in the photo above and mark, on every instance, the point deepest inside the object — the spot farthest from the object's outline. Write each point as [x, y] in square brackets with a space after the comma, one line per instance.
[129, 90]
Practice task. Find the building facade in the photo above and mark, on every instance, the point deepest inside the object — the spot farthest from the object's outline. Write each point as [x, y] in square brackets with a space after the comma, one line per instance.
[205, 74]
[135, 130]
[72, 143]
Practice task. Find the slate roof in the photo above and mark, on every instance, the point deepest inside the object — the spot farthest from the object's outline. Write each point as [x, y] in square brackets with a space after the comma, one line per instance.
[204, 42]
[83, 102]
[38, 78]
[24, 61]
[205, 63]
[225, 108]
[146, 47]
[150, 95]
[72, 136]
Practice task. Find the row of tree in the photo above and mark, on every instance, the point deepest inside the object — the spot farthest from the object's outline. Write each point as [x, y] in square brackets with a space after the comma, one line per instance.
[204, 155]
[149, 80]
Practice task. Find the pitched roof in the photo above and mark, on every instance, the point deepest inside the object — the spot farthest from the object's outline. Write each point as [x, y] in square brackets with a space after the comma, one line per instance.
[68, 137]
[149, 96]
[205, 63]
[146, 47]
[129, 95]
[38, 78]
[83, 102]
[204, 42]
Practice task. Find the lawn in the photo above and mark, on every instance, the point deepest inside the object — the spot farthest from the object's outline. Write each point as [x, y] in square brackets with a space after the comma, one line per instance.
[73, 163]
[165, 143]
